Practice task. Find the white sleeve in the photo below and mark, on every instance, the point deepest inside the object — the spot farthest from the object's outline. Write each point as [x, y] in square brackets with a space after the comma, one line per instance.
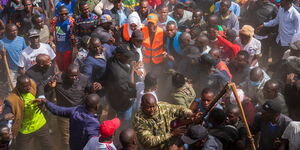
[21, 61]
[51, 52]
[87, 146]
[258, 50]
[287, 132]
[98, 8]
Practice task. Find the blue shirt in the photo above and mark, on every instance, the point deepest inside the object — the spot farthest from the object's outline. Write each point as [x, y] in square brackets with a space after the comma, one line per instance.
[164, 24]
[202, 109]
[123, 17]
[235, 8]
[83, 125]
[63, 32]
[70, 7]
[289, 24]
[13, 50]
[94, 68]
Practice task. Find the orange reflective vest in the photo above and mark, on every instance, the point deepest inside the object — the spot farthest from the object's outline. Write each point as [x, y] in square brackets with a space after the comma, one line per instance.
[153, 52]
[125, 33]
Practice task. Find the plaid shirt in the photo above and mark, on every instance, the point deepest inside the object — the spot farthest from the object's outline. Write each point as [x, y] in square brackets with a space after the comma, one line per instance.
[85, 26]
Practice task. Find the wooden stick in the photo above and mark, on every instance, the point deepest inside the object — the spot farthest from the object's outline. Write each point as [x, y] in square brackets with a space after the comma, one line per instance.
[7, 67]
[237, 98]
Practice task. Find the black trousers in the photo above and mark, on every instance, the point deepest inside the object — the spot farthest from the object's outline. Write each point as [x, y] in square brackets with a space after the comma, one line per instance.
[41, 136]
[278, 51]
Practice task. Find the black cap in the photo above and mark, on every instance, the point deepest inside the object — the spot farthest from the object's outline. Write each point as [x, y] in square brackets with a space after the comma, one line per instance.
[33, 33]
[125, 50]
[194, 134]
[272, 106]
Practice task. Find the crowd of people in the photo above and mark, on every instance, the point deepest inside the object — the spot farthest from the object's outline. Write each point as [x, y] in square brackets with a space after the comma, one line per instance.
[149, 74]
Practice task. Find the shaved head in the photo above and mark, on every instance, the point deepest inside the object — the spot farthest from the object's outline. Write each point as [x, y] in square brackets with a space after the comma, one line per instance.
[92, 100]
[149, 104]
[148, 98]
[256, 74]
[41, 58]
[128, 138]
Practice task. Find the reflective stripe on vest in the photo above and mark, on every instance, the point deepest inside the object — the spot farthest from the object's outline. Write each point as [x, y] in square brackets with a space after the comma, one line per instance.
[125, 34]
[153, 52]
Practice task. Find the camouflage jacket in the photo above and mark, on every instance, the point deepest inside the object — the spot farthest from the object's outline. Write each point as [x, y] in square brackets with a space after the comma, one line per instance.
[183, 96]
[154, 133]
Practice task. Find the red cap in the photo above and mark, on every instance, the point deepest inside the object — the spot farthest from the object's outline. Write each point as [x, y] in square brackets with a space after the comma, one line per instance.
[108, 127]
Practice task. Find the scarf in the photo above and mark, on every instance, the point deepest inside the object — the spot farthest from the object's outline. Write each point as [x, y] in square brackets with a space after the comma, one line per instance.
[134, 18]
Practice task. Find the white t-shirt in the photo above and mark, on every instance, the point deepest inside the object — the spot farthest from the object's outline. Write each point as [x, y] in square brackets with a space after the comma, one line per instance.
[253, 48]
[140, 86]
[28, 55]
[292, 133]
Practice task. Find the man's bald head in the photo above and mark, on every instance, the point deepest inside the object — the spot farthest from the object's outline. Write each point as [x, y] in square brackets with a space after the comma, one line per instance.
[149, 104]
[232, 114]
[185, 38]
[271, 89]
[256, 74]
[92, 101]
[23, 84]
[232, 109]
[148, 98]
[128, 138]
[73, 68]
[43, 60]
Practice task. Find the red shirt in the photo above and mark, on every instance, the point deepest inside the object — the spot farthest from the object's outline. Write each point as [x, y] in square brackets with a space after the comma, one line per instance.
[230, 50]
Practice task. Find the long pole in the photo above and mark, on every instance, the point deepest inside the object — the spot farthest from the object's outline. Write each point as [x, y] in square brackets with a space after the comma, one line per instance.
[7, 67]
[237, 98]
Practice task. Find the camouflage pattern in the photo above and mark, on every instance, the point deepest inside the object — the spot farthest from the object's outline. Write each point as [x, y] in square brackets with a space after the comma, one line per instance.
[154, 133]
[183, 96]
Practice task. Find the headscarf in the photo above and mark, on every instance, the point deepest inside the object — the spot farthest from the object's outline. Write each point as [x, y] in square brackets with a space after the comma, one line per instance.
[134, 18]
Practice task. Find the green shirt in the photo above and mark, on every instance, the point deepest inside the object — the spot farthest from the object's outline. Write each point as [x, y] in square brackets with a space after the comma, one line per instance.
[154, 133]
[33, 117]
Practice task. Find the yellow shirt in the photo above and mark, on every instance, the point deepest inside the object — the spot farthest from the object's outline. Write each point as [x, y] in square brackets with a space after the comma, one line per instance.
[33, 117]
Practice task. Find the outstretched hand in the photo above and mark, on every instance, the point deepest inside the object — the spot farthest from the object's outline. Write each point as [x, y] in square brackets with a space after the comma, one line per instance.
[39, 102]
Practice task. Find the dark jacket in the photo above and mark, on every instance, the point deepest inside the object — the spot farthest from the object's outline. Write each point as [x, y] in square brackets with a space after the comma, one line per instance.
[119, 89]
[41, 77]
[83, 125]
[258, 14]
[69, 95]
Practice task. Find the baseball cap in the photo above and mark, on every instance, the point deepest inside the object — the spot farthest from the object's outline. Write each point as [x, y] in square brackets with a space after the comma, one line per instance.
[295, 45]
[108, 127]
[137, 35]
[33, 33]
[194, 134]
[125, 50]
[105, 18]
[152, 18]
[272, 106]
